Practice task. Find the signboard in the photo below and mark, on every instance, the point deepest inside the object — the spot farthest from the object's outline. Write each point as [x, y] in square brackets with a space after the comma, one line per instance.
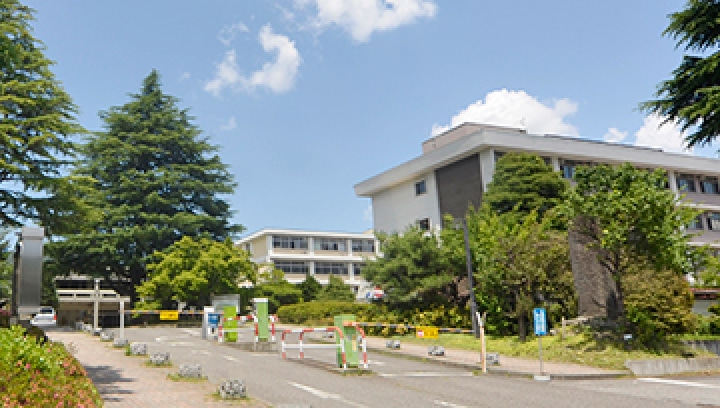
[169, 315]
[426, 332]
[213, 319]
[540, 319]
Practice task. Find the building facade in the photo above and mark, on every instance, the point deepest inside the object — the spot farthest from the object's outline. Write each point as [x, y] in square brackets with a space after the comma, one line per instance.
[456, 167]
[317, 253]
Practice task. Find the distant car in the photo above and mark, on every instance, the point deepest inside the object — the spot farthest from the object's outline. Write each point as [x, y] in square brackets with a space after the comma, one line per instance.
[46, 317]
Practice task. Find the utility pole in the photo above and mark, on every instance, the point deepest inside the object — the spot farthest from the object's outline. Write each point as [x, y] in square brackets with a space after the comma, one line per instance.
[471, 281]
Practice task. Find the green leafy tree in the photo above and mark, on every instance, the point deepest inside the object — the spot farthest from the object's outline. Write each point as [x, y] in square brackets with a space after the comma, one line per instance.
[413, 271]
[37, 120]
[520, 263]
[193, 270]
[691, 96]
[278, 293]
[629, 217]
[156, 181]
[310, 288]
[523, 183]
[6, 269]
[658, 303]
[336, 289]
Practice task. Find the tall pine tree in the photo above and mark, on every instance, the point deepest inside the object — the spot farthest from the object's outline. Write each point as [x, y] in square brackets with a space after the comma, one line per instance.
[37, 120]
[157, 180]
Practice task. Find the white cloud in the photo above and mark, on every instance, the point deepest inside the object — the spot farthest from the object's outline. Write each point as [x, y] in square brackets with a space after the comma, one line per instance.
[361, 18]
[230, 125]
[653, 133]
[517, 109]
[184, 76]
[278, 75]
[227, 33]
[614, 135]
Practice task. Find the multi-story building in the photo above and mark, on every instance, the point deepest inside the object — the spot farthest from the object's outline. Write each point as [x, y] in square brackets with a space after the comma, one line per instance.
[456, 166]
[317, 253]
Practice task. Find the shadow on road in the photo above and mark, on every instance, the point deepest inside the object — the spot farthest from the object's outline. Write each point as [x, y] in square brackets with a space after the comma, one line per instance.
[109, 382]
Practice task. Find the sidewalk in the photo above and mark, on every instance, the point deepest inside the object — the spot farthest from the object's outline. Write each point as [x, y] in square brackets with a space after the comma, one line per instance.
[125, 382]
[508, 365]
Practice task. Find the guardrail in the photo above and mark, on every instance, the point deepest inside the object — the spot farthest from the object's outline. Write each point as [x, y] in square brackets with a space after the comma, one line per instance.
[243, 319]
[412, 327]
[301, 346]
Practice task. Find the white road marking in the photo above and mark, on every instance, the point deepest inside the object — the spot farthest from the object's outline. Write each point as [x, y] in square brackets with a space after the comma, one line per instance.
[426, 374]
[160, 339]
[203, 352]
[191, 332]
[325, 395]
[377, 363]
[230, 358]
[448, 404]
[678, 382]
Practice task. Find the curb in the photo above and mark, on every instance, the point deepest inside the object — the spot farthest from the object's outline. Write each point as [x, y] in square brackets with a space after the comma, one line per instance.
[498, 370]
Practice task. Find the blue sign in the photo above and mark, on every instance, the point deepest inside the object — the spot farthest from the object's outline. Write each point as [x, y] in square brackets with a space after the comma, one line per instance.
[540, 319]
[213, 319]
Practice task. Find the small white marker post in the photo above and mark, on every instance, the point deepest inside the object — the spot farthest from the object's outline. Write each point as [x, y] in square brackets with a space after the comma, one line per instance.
[483, 355]
[540, 320]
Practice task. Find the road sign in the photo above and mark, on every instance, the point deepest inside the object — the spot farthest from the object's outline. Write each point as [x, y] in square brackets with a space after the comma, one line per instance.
[213, 319]
[169, 315]
[540, 319]
[426, 332]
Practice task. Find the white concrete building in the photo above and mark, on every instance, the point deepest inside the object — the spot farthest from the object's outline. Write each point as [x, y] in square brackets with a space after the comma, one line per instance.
[455, 168]
[317, 253]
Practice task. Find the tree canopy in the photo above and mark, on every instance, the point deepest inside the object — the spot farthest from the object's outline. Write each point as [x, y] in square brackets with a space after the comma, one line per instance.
[691, 96]
[629, 218]
[336, 289]
[523, 183]
[192, 270]
[37, 121]
[155, 179]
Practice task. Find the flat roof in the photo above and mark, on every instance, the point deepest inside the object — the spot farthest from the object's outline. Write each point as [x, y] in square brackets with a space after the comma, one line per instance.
[308, 233]
[509, 139]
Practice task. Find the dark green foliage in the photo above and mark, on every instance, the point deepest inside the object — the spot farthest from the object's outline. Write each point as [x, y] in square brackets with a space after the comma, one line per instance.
[413, 271]
[310, 288]
[692, 95]
[37, 121]
[278, 294]
[156, 180]
[523, 183]
[336, 289]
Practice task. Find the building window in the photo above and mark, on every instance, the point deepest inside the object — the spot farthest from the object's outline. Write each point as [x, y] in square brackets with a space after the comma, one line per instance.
[709, 185]
[568, 167]
[420, 187]
[713, 221]
[424, 224]
[363, 245]
[357, 269]
[686, 183]
[696, 224]
[330, 268]
[329, 244]
[292, 267]
[289, 242]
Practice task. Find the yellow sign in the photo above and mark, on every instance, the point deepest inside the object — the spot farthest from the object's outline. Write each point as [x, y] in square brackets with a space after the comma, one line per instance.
[169, 315]
[426, 332]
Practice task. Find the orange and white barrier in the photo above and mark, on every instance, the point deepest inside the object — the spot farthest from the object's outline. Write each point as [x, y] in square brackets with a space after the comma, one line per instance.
[301, 346]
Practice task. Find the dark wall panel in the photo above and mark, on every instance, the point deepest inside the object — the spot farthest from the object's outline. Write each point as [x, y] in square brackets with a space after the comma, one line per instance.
[459, 185]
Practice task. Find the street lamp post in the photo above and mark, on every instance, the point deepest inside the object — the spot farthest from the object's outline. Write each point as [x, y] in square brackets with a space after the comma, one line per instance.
[96, 298]
[471, 282]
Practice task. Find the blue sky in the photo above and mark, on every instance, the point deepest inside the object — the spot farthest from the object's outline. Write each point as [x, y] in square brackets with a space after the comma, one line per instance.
[306, 98]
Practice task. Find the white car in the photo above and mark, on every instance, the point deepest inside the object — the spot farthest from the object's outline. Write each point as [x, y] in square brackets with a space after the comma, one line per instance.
[45, 317]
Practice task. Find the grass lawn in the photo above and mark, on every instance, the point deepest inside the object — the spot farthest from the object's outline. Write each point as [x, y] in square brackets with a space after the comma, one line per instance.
[575, 348]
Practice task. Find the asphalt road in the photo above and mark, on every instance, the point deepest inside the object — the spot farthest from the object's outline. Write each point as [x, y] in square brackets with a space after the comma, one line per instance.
[400, 382]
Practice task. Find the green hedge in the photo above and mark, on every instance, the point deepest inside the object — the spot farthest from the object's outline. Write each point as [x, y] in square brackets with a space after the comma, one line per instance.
[322, 313]
[39, 374]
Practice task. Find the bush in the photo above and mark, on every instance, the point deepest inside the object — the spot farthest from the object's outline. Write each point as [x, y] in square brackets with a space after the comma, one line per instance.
[41, 374]
[322, 313]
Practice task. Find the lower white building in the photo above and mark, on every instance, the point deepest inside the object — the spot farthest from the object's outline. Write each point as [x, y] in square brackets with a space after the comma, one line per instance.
[317, 253]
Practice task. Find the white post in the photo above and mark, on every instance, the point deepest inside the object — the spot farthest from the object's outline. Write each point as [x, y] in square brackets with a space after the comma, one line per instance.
[122, 319]
[483, 351]
[562, 336]
[95, 305]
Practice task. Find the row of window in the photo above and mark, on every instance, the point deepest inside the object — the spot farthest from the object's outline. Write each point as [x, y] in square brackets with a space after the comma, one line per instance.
[693, 183]
[709, 221]
[323, 244]
[321, 268]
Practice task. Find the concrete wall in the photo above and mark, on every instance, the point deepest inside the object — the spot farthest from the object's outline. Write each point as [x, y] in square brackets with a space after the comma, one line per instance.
[397, 208]
[663, 366]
